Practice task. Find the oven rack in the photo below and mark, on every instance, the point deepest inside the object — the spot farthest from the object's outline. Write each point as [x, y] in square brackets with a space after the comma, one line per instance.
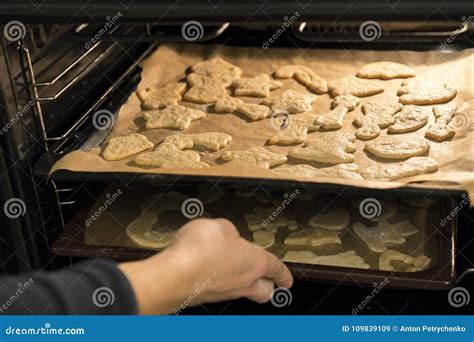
[119, 33]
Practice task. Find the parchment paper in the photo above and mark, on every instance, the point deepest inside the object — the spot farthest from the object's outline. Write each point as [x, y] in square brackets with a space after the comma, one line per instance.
[170, 63]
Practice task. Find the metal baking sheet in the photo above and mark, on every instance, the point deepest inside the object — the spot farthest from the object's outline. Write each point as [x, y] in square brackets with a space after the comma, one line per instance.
[105, 236]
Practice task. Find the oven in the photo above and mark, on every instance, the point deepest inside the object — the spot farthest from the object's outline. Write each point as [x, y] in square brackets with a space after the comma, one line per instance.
[63, 62]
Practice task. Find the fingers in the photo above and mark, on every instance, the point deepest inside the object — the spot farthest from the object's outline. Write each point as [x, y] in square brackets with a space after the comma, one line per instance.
[277, 271]
[260, 291]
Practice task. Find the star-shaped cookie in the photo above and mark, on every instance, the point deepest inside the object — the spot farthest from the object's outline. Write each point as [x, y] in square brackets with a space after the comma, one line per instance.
[292, 101]
[172, 117]
[159, 97]
[258, 86]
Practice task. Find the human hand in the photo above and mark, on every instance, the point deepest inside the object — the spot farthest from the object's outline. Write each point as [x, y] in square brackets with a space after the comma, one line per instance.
[208, 261]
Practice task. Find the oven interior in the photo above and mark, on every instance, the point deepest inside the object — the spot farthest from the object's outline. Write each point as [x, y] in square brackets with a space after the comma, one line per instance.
[57, 75]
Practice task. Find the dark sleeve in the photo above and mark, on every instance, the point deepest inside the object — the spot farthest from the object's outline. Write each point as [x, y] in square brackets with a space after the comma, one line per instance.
[93, 287]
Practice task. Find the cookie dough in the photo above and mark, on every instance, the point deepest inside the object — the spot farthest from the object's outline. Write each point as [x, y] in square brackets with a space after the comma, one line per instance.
[396, 148]
[269, 219]
[303, 75]
[417, 264]
[119, 148]
[256, 155]
[211, 140]
[313, 237]
[344, 259]
[172, 117]
[291, 101]
[390, 172]
[252, 111]
[331, 148]
[351, 85]
[442, 130]
[217, 69]
[204, 89]
[420, 91]
[258, 86]
[385, 71]
[168, 156]
[333, 219]
[263, 238]
[409, 119]
[160, 97]
[376, 116]
[385, 234]
[341, 105]
[347, 171]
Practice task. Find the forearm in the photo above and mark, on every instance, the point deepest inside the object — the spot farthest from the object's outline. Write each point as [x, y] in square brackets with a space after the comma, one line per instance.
[93, 287]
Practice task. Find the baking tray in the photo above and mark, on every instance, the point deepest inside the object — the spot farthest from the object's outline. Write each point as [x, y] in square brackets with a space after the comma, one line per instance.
[441, 275]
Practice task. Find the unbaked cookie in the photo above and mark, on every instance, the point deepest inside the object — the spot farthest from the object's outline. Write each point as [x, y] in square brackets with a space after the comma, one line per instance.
[333, 219]
[305, 76]
[385, 71]
[416, 264]
[263, 238]
[204, 89]
[122, 147]
[411, 167]
[344, 259]
[253, 111]
[217, 69]
[269, 219]
[442, 130]
[291, 101]
[313, 237]
[156, 98]
[419, 91]
[258, 86]
[296, 130]
[351, 85]
[396, 148]
[256, 155]
[168, 156]
[146, 230]
[409, 119]
[341, 105]
[385, 234]
[172, 117]
[331, 148]
[348, 171]
[376, 116]
[211, 140]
